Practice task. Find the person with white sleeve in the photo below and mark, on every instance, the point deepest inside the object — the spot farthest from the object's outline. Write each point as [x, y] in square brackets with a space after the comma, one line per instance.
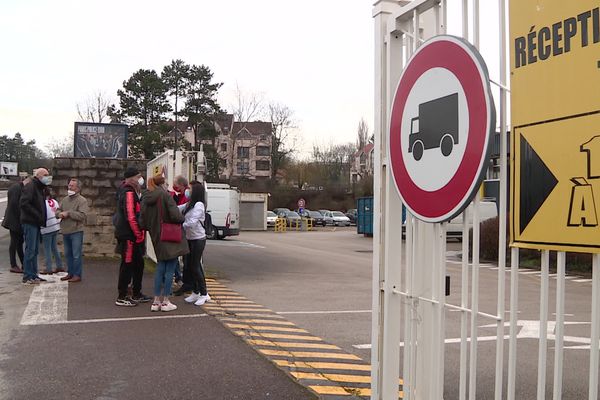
[194, 213]
[49, 234]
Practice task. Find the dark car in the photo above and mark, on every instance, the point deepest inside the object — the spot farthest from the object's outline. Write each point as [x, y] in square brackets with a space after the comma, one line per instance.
[291, 217]
[317, 218]
[351, 214]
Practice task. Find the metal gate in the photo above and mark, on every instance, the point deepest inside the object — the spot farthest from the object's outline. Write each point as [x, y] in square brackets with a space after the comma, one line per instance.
[409, 303]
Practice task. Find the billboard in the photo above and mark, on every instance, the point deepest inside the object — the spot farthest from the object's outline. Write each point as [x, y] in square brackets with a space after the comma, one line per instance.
[100, 140]
[8, 168]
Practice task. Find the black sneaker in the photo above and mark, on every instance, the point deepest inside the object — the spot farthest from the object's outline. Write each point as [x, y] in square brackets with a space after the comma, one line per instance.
[125, 302]
[27, 281]
[41, 279]
[141, 298]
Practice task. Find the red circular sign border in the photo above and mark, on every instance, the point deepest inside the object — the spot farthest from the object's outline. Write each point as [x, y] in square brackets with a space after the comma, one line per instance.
[461, 59]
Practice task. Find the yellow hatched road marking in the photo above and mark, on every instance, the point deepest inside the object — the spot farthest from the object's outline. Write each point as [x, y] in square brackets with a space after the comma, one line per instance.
[258, 342]
[322, 365]
[229, 297]
[246, 309]
[236, 301]
[266, 328]
[337, 390]
[258, 321]
[277, 336]
[265, 315]
[252, 305]
[223, 291]
[309, 354]
[333, 377]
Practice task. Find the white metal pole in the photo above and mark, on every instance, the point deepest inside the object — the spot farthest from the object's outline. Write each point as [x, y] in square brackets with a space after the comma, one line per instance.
[476, 23]
[502, 205]
[442, 309]
[465, 19]
[381, 12]
[474, 302]
[560, 322]
[464, 303]
[514, 309]
[595, 334]
[543, 346]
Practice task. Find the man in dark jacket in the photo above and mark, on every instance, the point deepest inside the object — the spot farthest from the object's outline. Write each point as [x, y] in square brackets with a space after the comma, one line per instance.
[33, 216]
[12, 222]
[130, 238]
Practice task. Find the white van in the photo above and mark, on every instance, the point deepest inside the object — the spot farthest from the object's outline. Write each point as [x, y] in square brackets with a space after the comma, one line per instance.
[223, 204]
[487, 210]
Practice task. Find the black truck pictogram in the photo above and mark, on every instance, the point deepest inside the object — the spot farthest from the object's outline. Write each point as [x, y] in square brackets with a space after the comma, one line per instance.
[436, 126]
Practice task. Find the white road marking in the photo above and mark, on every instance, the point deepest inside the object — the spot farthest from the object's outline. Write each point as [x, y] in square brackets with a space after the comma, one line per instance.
[325, 312]
[4, 200]
[530, 272]
[90, 321]
[582, 280]
[530, 329]
[233, 244]
[48, 303]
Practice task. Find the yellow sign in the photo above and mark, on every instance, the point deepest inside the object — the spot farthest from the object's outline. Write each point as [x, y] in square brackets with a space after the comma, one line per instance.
[555, 112]
[556, 194]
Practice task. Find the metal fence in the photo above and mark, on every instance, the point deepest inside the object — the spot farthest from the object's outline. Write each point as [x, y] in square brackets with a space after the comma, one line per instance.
[409, 302]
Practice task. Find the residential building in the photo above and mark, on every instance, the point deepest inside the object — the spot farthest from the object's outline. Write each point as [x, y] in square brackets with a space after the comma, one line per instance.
[362, 163]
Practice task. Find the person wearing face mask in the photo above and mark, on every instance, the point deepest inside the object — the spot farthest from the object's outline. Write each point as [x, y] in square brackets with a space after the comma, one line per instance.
[33, 216]
[130, 239]
[73, 211]
[181, 195]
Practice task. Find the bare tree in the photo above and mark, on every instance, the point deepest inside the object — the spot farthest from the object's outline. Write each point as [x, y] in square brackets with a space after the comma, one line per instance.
[248, 105]
[283, 138]
[95, 108]
[362, 134]
[62, 147]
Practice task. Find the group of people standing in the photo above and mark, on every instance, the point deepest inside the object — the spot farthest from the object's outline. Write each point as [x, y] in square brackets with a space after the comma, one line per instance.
[34, 216]
[140, 211]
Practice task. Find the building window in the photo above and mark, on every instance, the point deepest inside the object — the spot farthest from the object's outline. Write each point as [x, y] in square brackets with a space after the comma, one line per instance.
[263, 138]
[263, 165]
[243, 152]
[223, 146]
[243, 167]
[262, 151]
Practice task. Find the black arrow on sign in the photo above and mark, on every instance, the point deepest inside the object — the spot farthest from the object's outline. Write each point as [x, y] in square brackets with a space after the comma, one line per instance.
[537, 182]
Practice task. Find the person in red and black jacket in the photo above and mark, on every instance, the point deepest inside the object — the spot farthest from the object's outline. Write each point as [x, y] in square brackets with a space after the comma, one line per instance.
[130, 238]
[180, 184]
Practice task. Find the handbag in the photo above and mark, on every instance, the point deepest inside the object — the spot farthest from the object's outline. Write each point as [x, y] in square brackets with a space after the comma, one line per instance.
[168, 232]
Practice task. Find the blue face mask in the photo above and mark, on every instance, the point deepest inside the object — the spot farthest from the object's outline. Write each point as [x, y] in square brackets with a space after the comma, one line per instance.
[46, 180]
[188, 193]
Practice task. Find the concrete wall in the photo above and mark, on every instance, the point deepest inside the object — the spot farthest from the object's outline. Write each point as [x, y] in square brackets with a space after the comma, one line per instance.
[100, 178]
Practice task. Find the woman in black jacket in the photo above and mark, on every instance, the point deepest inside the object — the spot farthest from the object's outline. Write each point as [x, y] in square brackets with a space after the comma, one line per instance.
[12, 222]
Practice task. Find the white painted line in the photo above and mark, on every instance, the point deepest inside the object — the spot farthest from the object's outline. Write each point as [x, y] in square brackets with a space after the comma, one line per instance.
[447, 341]
[530, 273]
[127, 319]
[233, 244]
[582, 280]
[48, 303]
[325, 312]
[4, 200]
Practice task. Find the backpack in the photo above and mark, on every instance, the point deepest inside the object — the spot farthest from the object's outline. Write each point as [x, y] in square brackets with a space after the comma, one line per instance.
[207, 225]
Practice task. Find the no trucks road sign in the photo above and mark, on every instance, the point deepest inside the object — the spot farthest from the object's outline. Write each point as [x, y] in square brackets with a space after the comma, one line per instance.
[441, 121]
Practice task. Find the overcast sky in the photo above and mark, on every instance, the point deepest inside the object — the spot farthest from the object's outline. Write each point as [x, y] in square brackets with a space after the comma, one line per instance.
[314, 56]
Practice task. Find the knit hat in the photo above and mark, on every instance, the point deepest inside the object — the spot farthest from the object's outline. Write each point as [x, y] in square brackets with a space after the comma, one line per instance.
[131, 171]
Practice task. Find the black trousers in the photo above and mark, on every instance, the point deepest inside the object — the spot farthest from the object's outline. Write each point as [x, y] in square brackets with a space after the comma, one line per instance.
[132, 267]
[16, 247]
[193, 261]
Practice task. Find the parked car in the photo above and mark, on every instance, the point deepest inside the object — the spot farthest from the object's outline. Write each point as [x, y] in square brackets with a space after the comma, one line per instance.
[327, 217]
[339, 219]
[271, 218]
[317, 218]
[487, 210]
[351, 214]
[278, 211]
[291, 217]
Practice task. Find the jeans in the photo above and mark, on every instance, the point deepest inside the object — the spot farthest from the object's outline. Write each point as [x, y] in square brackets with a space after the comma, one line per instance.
[73, 249]
[32, 240]
[194, 262]
[16, 247]
[132, 267]
[163, 277]
[50, 249]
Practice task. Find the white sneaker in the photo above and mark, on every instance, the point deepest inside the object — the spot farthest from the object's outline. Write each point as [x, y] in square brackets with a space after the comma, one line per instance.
[168, 306]
[155, 307]
[192, 298]
[202, 299]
